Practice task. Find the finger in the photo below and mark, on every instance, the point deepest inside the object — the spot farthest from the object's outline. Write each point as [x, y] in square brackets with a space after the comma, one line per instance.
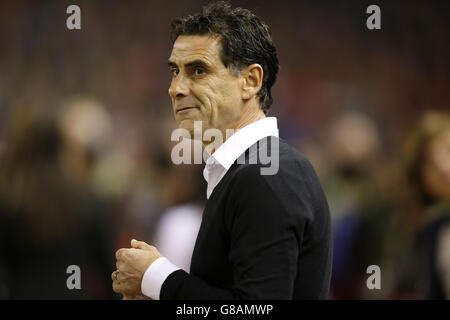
[119, 266]
[119, 253]
[140, 245]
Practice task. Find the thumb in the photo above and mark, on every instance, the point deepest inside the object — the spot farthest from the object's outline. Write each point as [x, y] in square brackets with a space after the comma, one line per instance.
[140, 245]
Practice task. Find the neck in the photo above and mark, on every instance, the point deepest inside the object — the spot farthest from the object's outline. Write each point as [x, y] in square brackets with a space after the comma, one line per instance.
[252, 112]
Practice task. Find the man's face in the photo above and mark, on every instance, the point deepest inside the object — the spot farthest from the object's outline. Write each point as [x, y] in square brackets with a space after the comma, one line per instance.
[202, 88]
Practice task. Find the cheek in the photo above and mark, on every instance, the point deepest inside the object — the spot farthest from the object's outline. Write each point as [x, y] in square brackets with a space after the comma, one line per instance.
[228, 96]
[211, 98]
[440, 157]
[232, 102]
[220, 100]
[206, 95]
[434, 182]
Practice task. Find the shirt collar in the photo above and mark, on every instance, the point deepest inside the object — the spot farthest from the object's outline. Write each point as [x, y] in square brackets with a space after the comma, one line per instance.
[243, 139]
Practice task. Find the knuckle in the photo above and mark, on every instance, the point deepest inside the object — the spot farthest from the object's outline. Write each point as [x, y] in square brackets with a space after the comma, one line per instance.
[120, 266]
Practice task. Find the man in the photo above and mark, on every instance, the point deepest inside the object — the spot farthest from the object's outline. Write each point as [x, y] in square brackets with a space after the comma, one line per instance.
[263, 236]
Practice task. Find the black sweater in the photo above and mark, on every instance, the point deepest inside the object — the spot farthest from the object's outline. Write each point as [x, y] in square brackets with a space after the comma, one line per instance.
[261, 236]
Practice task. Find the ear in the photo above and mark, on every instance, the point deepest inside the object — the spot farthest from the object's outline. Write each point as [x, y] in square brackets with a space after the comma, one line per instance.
[252, 80]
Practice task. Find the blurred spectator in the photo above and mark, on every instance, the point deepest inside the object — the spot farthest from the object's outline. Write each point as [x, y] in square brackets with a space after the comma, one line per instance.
[425, 269]
[49, 221]
[360, 209]
[86, 129]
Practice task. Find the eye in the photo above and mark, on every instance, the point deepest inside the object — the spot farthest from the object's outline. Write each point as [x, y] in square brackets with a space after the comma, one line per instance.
[174, 71]
[199, 71]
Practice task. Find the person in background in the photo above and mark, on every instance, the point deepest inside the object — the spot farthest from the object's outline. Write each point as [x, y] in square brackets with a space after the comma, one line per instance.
[48, 220]
[360, 210]
[425, 270]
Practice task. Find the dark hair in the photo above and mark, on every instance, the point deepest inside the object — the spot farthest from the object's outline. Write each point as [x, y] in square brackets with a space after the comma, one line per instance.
[245, 40]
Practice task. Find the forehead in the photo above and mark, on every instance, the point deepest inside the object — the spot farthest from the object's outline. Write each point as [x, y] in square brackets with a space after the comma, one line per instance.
[192, 47]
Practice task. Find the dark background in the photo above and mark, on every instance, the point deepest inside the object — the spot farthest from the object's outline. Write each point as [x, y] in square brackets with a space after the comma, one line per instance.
[79, 184]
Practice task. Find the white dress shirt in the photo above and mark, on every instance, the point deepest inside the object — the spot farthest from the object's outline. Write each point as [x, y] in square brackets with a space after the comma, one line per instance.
[216, 167]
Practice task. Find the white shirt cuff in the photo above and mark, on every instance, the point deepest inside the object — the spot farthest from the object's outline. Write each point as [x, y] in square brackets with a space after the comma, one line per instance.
[154, 277]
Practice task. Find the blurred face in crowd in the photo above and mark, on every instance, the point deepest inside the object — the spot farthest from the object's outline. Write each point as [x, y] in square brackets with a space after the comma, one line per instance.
[202, 88]
[436, 169]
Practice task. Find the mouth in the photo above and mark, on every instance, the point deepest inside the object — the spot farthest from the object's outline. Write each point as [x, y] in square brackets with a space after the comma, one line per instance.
[182, 109]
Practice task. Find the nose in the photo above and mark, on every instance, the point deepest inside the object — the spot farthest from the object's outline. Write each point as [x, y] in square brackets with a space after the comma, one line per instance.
[179, 87]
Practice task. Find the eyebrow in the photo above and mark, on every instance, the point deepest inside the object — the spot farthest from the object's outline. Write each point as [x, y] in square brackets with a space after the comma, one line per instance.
[194, 63]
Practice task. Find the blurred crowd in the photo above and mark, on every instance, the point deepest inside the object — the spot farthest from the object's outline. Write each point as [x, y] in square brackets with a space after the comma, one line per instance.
[85, 148]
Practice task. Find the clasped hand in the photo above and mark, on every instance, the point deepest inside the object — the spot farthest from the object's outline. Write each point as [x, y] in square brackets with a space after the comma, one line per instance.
[131, 265]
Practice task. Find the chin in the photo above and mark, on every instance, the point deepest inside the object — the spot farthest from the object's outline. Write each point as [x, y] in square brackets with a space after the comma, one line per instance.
[188, 124]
